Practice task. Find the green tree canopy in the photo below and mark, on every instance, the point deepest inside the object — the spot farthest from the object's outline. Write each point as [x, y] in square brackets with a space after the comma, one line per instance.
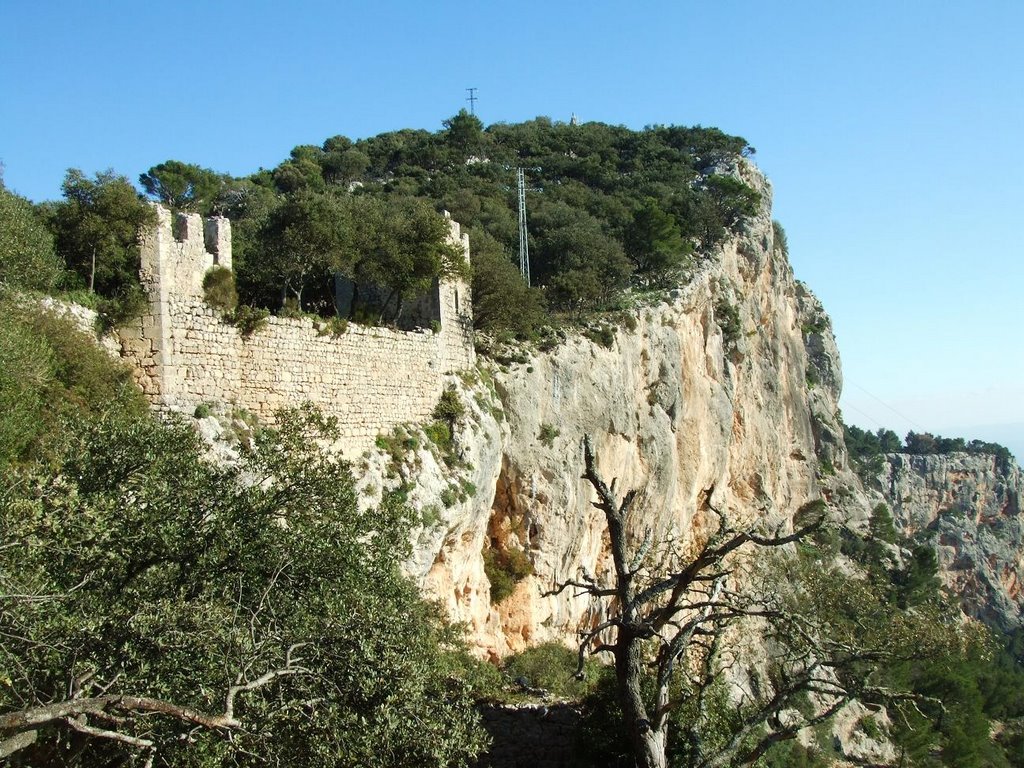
[582, 266]
[27, 258]
[305, 240]
[655, 244]
[502, 301]
[465, 133]
[152, 594]
[182, 186]
[401, 246]
[609, 207]
[96, 230]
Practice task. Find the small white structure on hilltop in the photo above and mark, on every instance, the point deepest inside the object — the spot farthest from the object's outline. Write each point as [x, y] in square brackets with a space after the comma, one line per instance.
[372, 379]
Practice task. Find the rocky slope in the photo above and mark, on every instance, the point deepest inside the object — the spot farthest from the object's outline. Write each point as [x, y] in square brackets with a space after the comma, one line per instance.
[968, 506]
[725, 393]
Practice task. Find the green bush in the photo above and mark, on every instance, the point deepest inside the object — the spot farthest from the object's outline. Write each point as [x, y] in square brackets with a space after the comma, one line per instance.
[333, 327]
[505, 568]
[50, 371]
[290, 308]
[440, 436]
[780, 242]
[397, 445]
[449, 497]
[870, 727]
[219, 289]
[552, 666]
[547, 434]
[484, 680]
[27, 258]
[727, 315]
[128, 304]
[248, 320]
[603, 335]
[449, 408]
[811, 377]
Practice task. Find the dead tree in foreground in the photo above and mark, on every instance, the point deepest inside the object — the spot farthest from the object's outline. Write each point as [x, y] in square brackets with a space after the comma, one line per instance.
[118, 713]
[668, 624]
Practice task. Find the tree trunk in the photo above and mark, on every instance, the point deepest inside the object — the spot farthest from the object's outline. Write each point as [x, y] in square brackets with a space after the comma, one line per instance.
[92, 272]
[355, 301]
[648, 743]
[384, 306]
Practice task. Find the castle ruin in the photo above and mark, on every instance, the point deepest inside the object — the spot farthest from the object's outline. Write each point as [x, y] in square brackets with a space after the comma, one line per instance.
[372, 379]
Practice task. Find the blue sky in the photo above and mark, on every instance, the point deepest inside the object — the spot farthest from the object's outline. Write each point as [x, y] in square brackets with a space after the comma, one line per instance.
[891, 131]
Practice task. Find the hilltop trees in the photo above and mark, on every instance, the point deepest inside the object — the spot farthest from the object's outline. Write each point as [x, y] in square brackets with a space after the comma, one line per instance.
[502, 301]
[610, 208]
[582, 266]
[304, 239]
[465, 133]
[867, 448]
[181, 186]
[396, 245]
[655, 244]
[96, 229]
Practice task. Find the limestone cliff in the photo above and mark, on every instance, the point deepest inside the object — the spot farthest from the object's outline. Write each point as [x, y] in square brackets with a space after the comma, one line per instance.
[968, 507]
[724, 393]
[712, 397]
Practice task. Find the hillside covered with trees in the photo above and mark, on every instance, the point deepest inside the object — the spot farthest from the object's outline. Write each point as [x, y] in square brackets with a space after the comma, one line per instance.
[159, 608]
[610, 211]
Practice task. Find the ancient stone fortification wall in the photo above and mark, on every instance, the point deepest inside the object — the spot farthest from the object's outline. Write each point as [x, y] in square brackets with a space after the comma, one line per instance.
[370, 378]
[532, 736]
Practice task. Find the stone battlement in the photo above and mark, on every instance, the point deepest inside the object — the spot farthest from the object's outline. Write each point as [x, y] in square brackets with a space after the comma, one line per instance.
[372, 379]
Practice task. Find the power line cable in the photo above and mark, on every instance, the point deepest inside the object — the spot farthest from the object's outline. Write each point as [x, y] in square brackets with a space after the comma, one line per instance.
[880, 400]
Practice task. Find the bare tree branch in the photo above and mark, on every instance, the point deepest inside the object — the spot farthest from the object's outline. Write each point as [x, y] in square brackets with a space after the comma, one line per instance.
[686, 611]
[120, 709]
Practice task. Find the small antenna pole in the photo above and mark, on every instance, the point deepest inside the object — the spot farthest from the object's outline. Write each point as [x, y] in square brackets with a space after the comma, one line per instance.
[524, 243]
[472, 100]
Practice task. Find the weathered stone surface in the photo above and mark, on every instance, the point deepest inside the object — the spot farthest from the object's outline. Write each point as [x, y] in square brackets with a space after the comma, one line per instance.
[370, 378]
[969, 507]
[675, 409]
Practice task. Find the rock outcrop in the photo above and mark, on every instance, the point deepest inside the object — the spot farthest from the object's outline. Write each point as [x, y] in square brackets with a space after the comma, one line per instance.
[707, 401]
[968, 507]
[724, 394]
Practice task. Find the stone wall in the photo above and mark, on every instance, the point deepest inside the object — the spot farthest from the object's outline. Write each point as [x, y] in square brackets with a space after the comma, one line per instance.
[372, 379]
[531, 735]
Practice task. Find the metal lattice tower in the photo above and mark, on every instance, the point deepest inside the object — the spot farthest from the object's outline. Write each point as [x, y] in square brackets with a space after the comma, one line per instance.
[524, 243]
[472, 100]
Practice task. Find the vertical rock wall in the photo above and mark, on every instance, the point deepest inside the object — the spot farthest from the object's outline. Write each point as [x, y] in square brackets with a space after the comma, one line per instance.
[969, 507]
[682, 407]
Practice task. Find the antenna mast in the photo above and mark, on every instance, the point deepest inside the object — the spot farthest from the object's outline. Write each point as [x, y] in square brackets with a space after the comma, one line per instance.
[524, 243]
[472, 100]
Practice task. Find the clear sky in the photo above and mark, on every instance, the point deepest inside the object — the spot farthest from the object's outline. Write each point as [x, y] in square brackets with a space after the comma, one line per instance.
[891, 131]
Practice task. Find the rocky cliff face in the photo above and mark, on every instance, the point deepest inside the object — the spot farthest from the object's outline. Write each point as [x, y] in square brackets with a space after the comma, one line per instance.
[968, 506]
[724, 394]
